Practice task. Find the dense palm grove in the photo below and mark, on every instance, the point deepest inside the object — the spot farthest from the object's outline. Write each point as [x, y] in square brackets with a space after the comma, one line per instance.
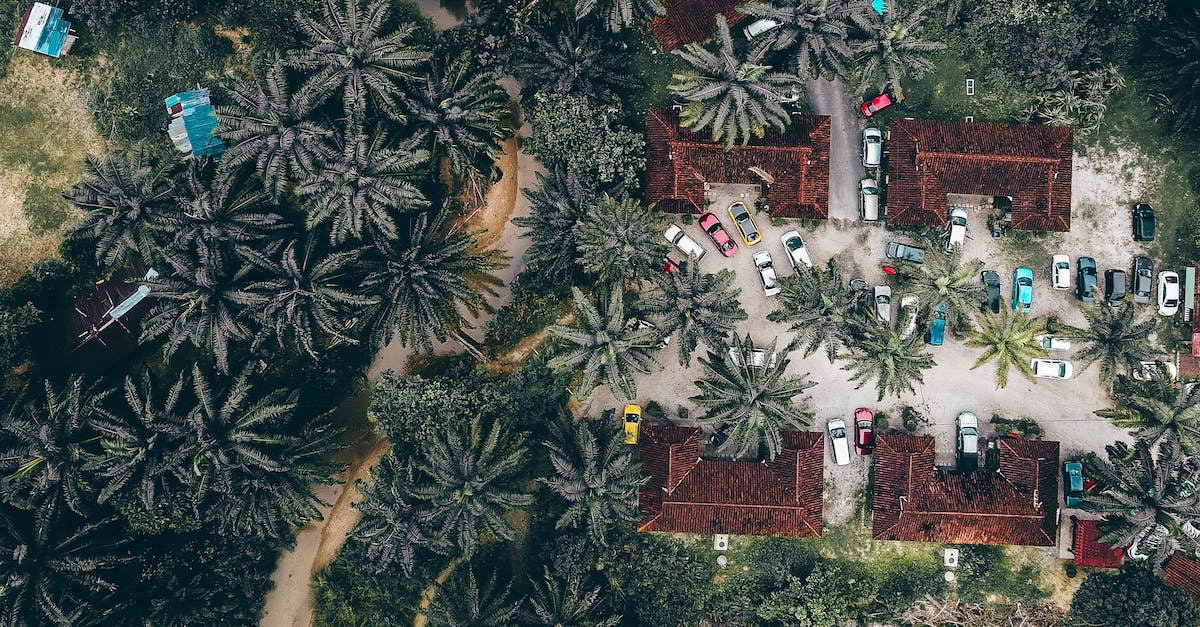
[161, 491]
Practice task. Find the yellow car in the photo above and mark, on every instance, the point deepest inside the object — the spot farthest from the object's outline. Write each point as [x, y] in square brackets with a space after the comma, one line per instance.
[744, 223]
[633, 417]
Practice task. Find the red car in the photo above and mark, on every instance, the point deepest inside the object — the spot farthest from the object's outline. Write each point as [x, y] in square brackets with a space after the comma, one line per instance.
[864, 431]
[669, 266]
[717, 234]
[871, 107]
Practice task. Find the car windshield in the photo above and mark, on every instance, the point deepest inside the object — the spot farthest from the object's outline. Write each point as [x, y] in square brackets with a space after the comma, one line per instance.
[714, 229]
[870, 191]
[837, 433]
[1062, 265]
[969, 431]
[883, 299]
[795, 243]
[631, 417]
[1024, 281]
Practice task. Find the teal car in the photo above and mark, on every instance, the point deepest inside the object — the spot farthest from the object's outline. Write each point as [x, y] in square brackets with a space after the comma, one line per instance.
[1072, 483]
[937, 331]
[1022, 294]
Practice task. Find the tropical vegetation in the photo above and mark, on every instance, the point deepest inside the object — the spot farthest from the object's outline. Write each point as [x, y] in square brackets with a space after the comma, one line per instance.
[1114, 338]
[1010, 340]
[895, 360]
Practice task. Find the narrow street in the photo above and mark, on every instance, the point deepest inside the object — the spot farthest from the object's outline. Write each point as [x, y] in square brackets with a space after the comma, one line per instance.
[845, 164]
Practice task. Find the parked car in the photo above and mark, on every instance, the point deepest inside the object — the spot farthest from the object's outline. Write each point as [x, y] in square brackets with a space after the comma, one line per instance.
[1085, 279]
[836, 427]
[685, 244]
[1060, 271]
[958, 228]
[1051, 343]
[1116, 287]
[669, 265]
[991, 284]
[937, 330]
[744, 223]
[868, 200]
[793, 245]
[896, 250]
[641, 324]
[883, 302]
[909, 309]
[758, 358]
[967, 450]
[1143, 279]
[1168, 293]
[1147, 369]
[876, 104]
[717, 233]
[1022, 296]
[1051, 368]
[1143, 223]
[633, 419]
[766, 272]
[864, 431]
[758, 27]
[1072, 483]
[872, 148]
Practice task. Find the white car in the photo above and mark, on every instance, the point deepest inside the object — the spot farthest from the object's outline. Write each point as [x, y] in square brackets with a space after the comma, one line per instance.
[1147, 369]
[758, 27]
[958, 228]
[1060, 272]
[909, 309]
[967, 446]
[680, 240]
[758, 358]
[872, 148]
[883, 302]
[1051, 343]
[869, 200]
[1168, 293]
[836, 427]
[766, 272]
[793, 245]
[1051, 368]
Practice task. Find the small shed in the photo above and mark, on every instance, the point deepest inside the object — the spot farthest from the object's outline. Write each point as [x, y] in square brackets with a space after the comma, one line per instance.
[43, 30]
[1087, 549]
[194, 124]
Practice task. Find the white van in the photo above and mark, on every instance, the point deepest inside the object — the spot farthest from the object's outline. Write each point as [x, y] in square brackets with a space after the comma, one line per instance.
[676, 236]
[869, 197]
[958, 228]
[758, 27]
[836, 427]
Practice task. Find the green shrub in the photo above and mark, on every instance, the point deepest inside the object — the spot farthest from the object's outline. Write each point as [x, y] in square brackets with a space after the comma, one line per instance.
[1135, 596]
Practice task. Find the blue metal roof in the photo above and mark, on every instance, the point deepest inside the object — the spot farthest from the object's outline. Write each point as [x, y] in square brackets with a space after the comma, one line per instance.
[194, 124]
[44, 30]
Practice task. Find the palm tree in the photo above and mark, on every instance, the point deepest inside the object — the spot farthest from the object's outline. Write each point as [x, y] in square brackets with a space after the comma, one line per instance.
[1146, 497]
[1010, 341]
[121, 196]
[1172, 67]
[620, 14]
[557, 205]
[467, 478]
[944, 280]
[462, 603]
[603, 347]
[216, 216]
[896, 361]
[751, 403]
[1153, 416]
[894, 49]
[55, 569]
[1113, 337]
[574, 61]
[270, 126]
[348, 50]
[820, 308]
[696, 305]
[44, 461]
[813, 33]
[737, 98]
[393, 528]
[595, 474]
[312, 301]
[425, 284]
[558, 600]
[620, 241]
[460, 114]
[359, 183]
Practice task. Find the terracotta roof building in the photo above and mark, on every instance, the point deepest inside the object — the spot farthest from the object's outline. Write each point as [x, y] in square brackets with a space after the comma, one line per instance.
[1183, 573]
[689, 494]
[928, 160]
[681, 164]
[1189, 361]
[917, 501]
[692, 21]
[1088, 551]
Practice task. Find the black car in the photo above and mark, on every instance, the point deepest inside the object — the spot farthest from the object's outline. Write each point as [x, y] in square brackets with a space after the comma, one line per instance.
[1143, 223]
[1116, 287]
[991, 282]
[1143, 279]
[1085, 280]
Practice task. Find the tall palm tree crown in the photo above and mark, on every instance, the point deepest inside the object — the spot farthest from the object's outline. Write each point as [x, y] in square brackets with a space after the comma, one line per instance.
[894, 49]
[696, 306]
[1009, 339]
[815, 34]
[121, 196]
[752, 403]
[620, 14]
[393, 527]
[1113, 337]
[460, 114]
[559, 599]
[737, 98]
[1175, 411]
[557, 205]
[347, 49]
[574, 61]
[1173, 66]
[603, 347]
[620, 241]
[820, 308]
[464, 603]
[895, 360]
[944, 279]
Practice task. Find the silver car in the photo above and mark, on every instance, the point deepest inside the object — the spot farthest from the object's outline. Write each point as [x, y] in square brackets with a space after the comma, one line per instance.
[766, 272]
[883, 302]
[872, 147]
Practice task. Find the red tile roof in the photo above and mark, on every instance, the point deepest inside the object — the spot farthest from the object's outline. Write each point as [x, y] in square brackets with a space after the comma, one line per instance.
[916, 501]
[928, 159]
[680, 162]
[1089, 552]
[1183, 573]
[693, 495]
[692, 21]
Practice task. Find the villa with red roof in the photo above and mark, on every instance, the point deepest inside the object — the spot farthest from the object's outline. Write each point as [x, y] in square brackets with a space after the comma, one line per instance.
[1088, 551]
[690, 494]
[692, 21]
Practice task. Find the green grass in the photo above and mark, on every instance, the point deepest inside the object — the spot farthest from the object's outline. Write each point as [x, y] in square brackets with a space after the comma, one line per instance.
[45, 208]
[654, 71]
[942, 94]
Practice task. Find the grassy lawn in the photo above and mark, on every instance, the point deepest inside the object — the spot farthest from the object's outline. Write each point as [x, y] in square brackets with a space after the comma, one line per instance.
[942, 94]
[654, 71]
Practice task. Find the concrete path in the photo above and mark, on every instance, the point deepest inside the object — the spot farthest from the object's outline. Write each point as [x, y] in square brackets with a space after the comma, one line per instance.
[845, 163]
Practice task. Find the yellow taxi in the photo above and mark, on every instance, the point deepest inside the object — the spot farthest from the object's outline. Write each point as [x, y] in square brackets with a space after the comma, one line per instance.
[744, 223]
[633, 418]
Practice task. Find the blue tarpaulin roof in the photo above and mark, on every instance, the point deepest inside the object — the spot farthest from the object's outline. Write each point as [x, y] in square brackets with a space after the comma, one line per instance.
[194, 124]
[44, 30]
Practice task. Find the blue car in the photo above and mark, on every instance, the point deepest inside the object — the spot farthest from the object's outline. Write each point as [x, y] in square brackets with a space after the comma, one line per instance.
[937, 331]
[1022, 296]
